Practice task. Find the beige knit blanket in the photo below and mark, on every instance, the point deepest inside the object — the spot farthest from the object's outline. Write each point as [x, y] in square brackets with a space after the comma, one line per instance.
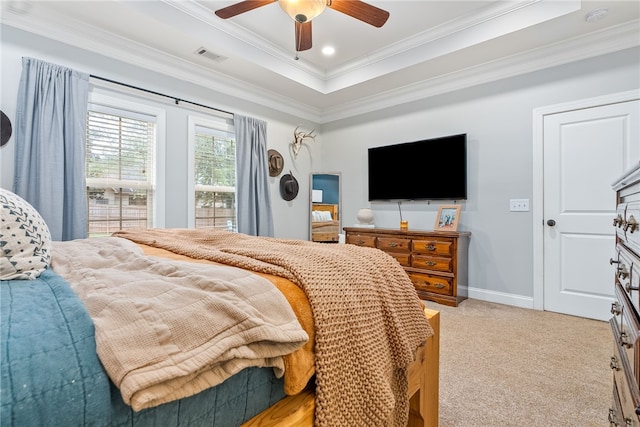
[170, 329]
[368, 318]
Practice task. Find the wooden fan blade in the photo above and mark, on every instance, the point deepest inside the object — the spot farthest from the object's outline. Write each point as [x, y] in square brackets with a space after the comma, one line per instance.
[361, 11]
[303, 36]
[242, 7]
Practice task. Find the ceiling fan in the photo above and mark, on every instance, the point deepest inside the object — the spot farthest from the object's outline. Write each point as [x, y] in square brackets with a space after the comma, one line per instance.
[303, 11]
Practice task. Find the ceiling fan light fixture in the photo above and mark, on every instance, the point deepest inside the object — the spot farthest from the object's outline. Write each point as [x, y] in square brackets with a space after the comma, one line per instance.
[303, 10]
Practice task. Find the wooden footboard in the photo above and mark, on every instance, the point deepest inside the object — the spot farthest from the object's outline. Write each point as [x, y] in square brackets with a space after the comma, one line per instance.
[424, 382]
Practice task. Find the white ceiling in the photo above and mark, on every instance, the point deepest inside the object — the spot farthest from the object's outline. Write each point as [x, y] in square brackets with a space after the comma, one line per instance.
[425, 48]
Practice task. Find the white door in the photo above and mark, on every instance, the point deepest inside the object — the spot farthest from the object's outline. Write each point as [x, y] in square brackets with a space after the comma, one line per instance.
[584, 151]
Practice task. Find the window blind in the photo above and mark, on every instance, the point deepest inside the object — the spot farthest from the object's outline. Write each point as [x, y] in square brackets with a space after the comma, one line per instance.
[215, 178]
[119, 169]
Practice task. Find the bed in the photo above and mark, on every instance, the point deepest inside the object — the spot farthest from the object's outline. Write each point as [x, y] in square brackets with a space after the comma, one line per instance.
[51, 338]
[325, 223]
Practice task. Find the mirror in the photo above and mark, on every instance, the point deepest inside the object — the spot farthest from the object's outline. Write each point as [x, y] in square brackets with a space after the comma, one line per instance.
[325, 215]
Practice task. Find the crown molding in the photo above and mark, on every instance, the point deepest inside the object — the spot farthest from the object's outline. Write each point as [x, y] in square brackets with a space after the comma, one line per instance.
[606, 41]
[105, 43]
[119, 48]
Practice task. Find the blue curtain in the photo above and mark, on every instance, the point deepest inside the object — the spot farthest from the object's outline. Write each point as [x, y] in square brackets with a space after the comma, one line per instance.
[50, 145]
[252, 177]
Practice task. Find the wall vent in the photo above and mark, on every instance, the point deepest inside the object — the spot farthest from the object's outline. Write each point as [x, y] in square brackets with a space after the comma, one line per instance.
[202, 51]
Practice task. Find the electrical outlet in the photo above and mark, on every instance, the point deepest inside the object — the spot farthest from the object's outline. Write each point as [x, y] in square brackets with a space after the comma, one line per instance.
[519, 205]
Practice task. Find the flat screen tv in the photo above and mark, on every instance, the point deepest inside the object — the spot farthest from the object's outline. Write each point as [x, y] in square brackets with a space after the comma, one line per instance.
[429, 169]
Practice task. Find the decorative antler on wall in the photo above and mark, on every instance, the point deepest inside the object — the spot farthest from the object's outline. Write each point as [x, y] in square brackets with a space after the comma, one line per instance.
[299, 137]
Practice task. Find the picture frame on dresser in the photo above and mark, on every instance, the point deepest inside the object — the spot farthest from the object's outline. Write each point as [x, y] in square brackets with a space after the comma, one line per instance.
[448, 217]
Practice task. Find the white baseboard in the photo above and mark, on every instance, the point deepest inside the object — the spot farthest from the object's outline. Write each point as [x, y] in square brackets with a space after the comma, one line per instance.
[500, 297]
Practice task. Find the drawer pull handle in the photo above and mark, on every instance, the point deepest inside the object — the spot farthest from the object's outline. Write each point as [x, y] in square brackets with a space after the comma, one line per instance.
[623, 340]
[615, 308]
[431, 247]
[437, 285]
[617, 221]
[623, 273]
[431, 263]
[612, 417]
[393, 244]
[614, 364]
[360, 242]
[630, 288]
[631, 224]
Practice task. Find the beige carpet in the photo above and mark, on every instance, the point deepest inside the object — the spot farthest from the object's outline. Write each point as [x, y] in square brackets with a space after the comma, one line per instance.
[508, 366]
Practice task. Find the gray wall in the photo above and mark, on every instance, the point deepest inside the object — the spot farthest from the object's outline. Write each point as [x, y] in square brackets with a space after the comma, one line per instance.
[497, 118]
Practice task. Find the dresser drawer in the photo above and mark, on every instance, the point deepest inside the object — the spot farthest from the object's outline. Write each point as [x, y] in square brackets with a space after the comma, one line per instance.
[356, 239]
[403, 259]
[432, 263]
[631, 226]
[617, 415]
[627, 264]
[627, 328]
[615, 411]
[625, 383]
[389, 244]
[431, 283]
[433, 247]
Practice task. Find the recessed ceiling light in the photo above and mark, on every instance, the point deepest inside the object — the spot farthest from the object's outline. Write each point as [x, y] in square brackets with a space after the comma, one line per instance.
[596, 15]
[328, 50]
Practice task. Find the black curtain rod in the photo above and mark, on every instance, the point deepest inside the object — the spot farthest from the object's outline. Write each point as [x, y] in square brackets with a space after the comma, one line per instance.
[177, 100]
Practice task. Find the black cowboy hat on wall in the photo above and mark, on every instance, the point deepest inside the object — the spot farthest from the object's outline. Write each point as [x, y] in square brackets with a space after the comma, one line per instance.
[288, 187]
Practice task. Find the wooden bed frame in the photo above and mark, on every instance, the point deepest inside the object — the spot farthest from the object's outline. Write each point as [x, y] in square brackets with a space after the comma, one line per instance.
[298, 410]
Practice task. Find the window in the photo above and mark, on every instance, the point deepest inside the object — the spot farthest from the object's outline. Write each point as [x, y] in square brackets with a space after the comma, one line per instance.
[120, 159]
[213, 174]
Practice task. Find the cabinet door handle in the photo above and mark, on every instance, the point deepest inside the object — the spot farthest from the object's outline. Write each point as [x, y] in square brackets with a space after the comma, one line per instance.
[631, 223]
[630, 288]
[623, 273]
[614, 364]
[617, 221]
[615, 308]
[623, 340]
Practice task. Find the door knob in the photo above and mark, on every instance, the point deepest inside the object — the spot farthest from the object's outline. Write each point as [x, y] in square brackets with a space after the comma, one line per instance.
[551, 223]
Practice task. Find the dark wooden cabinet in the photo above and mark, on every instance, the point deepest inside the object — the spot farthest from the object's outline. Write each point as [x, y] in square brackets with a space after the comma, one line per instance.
[625, 323]
[436, 261]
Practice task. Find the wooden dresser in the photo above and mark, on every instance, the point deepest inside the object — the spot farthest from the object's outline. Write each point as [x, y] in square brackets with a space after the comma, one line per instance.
[625, 323]
[436, 261]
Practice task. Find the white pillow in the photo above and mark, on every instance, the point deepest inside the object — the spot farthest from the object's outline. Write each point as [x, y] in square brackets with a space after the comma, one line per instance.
[25, 241]
[321, 216]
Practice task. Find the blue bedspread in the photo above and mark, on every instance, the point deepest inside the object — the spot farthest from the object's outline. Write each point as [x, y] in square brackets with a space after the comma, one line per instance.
[51, 375]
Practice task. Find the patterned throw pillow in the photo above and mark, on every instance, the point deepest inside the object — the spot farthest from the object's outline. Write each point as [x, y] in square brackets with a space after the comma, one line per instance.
[25, 241]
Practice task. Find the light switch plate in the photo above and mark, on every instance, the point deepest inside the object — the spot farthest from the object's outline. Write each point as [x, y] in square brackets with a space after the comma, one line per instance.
[519, 205]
